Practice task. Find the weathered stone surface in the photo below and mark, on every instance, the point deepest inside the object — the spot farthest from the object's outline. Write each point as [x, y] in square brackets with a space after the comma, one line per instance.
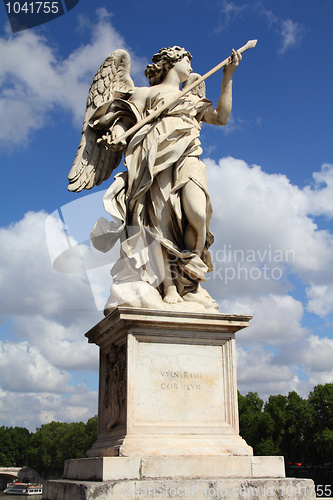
[187, 467]
[167, 384]
[267, 466]
[103, 469]
[195, 489]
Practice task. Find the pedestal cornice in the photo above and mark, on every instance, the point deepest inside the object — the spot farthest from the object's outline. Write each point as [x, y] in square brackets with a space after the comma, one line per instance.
[162, 326]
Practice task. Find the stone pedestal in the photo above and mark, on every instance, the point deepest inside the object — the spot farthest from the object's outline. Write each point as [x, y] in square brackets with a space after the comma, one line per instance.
[168, 415]
[167, 384]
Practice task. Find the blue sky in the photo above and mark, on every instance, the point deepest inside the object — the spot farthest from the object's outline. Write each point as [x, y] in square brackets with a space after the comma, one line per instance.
[270, 174]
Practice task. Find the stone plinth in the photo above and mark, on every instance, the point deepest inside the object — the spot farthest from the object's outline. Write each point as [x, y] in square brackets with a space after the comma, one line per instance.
[168, 416]
[167, 384]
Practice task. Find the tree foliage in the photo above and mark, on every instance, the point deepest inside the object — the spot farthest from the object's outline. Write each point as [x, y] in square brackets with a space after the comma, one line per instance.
[14, 442]
[299, 429]
[46, 449]
[321, 423]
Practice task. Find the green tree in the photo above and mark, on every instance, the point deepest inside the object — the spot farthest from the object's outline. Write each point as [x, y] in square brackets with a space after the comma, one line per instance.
[266, 444]
[276, 409]
[297, 421]
[250, 409]
[320, 426]
[277, 428]
[14, 442]
[56, 442]
[255, 426]
[321, 403]
[91, 432]
[323, 445]
[301, 430]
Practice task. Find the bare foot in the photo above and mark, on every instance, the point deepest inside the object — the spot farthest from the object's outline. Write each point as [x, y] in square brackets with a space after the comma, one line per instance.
[172, 296]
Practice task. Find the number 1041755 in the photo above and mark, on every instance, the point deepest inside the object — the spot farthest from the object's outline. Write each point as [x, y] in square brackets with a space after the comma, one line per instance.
[33, 7]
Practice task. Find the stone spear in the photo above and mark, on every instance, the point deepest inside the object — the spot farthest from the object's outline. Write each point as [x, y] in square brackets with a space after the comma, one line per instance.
[249, 45]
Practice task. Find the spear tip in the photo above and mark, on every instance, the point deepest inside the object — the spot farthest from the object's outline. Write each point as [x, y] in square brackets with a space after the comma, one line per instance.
[251, 44]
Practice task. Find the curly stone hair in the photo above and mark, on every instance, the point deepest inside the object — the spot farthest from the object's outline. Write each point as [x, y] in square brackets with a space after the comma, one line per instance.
[163, 61]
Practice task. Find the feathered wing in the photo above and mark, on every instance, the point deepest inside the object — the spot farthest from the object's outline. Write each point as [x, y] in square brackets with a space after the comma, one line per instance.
[199, 90]
[93, 163]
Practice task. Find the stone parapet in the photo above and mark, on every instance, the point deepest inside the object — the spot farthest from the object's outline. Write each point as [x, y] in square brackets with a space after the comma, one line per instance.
[180, 489]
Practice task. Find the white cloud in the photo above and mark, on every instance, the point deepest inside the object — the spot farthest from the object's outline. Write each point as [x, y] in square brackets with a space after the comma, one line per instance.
[30, 287]
[320, 299]
[312, 358]
[35, 392]
[30, 410]
[257, 372]
[276, 319]
[293, 366]
[319, 355]
[34, 79]
[45, 316]
[29, 284]
[65, 347]
[262, 220]
[297, 360]
[316, 353]
[291, 33]
[319, 195]
[228, 13]
[24, 369]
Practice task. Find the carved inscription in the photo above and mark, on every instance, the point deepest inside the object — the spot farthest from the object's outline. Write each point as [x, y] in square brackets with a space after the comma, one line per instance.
[181, 380]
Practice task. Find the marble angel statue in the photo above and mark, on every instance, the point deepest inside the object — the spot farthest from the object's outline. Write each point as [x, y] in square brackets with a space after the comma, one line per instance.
[160, 204]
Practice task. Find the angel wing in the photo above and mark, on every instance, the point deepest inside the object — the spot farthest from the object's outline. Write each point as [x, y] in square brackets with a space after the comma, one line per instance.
[93, 163]
[199, 90]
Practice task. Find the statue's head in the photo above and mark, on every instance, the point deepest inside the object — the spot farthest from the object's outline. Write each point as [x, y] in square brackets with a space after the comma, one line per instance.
[163, 61]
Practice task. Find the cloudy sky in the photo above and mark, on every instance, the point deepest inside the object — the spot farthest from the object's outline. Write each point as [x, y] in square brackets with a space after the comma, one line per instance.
[270, 174]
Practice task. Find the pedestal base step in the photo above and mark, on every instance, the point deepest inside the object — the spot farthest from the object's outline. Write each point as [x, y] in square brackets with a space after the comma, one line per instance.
[180, 489]
[173, 467]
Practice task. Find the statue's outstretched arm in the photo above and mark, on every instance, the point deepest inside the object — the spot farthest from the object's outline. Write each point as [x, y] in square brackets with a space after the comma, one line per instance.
[220, 114]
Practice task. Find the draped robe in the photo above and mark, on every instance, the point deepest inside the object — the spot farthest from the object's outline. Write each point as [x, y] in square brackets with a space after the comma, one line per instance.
[147, 212]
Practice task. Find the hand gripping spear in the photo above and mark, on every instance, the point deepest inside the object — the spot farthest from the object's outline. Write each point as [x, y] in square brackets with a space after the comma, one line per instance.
[249, 45]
